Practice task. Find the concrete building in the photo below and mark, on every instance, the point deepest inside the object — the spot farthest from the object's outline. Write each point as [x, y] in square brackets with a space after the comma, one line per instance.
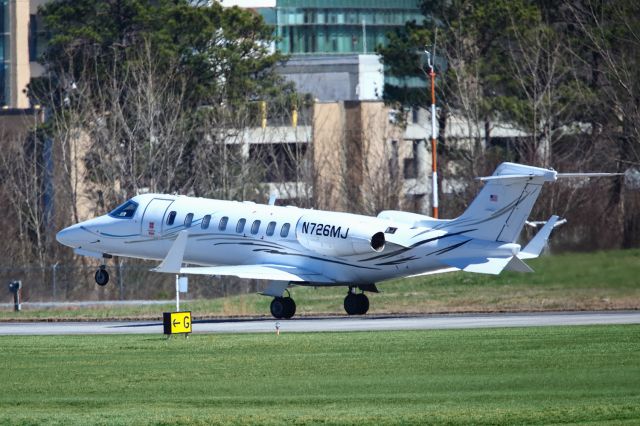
[332, 46]
[348, 151]
[349, 77]
[21, 41]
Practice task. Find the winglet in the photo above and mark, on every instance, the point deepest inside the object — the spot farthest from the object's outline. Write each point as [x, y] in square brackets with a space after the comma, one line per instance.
[173, 262]
[539, 242]
[517, 265]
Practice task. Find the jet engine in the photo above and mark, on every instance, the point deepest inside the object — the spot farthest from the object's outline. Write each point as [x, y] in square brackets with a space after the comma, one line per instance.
[338, 234]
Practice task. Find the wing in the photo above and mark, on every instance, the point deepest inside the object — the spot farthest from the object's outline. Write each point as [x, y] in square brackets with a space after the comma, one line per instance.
[260, 272]
[172, 264]
[437, 271]
[489, 265]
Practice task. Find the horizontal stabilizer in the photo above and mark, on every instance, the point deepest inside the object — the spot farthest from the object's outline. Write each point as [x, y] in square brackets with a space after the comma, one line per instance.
[539, 242]
[507, 178]
[587, 175]
[173, 262]
[260, 272]
[485, 265]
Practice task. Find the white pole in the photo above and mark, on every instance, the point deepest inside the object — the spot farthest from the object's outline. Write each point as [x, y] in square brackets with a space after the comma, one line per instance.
[177, 293]
[434, 144]
[433, 147]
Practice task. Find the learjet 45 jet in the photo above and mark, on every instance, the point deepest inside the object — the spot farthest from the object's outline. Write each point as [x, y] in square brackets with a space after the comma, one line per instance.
[294, 246]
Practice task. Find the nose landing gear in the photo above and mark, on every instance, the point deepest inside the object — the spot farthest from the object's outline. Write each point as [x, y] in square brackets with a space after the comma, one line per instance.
[102, 276]
[356, 303]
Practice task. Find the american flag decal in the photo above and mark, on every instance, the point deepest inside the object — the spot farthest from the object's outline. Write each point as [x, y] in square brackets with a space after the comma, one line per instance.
[493, 198]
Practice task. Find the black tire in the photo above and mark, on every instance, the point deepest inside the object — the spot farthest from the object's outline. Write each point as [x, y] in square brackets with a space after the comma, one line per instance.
[102, 277]
[363, 303]
[278, 308]
[351, 304]
[289, 307]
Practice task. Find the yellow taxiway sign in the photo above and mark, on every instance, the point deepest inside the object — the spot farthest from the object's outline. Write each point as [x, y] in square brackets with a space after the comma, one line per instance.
[176, 322]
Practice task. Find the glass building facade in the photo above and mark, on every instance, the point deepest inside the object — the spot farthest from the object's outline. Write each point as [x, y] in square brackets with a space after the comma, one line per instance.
[5, 51]
[340, 26]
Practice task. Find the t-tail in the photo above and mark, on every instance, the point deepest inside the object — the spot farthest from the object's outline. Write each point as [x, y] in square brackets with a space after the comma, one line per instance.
[503, 205]
[497, 215]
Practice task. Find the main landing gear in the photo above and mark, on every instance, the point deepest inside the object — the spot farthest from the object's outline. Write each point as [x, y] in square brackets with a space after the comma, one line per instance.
[283, 307]
[356, 303]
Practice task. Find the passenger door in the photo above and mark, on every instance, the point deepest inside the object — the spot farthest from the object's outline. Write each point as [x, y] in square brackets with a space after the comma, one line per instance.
[153, 218]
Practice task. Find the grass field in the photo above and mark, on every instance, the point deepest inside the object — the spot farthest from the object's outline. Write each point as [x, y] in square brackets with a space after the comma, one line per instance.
[573, 281]
[569, 375]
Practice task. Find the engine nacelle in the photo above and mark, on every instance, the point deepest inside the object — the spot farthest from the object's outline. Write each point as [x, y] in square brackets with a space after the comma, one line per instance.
[340, 234]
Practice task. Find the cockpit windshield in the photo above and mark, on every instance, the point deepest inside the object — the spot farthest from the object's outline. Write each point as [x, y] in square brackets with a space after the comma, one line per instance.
[125, 211]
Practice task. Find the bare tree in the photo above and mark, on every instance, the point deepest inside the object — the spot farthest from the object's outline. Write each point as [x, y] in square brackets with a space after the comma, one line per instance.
[22, 160]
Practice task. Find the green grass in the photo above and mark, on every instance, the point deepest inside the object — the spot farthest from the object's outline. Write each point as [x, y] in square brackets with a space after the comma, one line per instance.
[572, 281]
[569, 375]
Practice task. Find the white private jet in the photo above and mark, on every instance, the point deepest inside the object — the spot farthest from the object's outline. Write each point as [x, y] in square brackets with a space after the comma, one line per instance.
[294, 246]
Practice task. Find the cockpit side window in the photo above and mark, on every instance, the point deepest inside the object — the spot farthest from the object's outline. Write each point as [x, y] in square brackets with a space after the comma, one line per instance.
[125, 211]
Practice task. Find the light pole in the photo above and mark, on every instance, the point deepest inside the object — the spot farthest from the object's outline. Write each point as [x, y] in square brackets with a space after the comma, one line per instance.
[434, 154]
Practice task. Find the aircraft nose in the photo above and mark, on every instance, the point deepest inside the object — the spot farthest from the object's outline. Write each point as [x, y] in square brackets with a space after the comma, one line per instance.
[71, 236]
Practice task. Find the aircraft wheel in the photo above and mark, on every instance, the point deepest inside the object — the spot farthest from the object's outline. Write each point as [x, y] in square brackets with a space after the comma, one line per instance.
[102, 276]
[363, 303]
[278, 308]
[289, 307]
[351, 304]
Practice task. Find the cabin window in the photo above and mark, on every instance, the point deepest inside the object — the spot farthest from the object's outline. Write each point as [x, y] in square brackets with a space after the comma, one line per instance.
[223, 223]
[188, 219]
[255, 227]
[240, 225]
[171, 218]
[270, 228]
[285, 230]
[125, 211]
[205, 221]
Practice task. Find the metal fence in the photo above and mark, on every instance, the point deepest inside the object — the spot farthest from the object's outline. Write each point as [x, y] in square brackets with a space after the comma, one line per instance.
[71, 282]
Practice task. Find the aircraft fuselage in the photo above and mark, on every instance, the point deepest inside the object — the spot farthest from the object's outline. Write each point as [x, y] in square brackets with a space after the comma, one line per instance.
[236, 233]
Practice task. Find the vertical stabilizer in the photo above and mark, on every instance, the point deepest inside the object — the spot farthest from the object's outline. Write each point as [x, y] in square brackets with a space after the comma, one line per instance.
[503, 205]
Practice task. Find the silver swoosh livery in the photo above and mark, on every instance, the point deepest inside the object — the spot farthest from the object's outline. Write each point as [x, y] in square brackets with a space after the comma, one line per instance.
[293, 246]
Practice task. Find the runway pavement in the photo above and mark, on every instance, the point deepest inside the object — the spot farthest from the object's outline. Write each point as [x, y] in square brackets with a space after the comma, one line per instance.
[370, 323]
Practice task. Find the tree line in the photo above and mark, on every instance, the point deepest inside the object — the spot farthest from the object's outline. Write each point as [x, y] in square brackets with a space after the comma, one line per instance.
[154, 96]
[562, 72]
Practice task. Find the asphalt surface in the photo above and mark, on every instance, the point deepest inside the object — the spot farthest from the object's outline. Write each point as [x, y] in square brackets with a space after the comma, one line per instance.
[371, 323]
